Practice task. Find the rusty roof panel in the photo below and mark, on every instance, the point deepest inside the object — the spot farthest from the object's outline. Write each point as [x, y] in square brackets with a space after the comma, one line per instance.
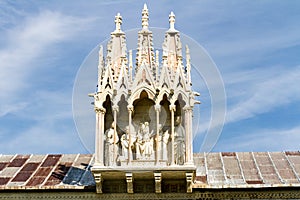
[51, 160]
[30, 167]
[292, 153]
[22, 177]
[228, 154]
[3, 165]
[18, 162]
[36, 158]
[59, 174]
[34, 181]
[43, 171]
[4, 181]
[9, 171]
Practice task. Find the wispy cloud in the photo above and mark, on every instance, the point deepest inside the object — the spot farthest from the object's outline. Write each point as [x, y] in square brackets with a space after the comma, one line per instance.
[26, 43]
[266, 94]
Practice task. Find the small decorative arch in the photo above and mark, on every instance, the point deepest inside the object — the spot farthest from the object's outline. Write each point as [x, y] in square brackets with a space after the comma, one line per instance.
[136, 94]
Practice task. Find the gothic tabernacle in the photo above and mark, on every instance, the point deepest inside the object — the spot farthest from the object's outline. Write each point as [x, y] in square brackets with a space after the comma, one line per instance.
[144, 113]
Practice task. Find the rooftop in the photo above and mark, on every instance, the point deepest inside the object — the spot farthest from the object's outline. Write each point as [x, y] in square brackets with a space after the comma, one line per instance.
[214, 170]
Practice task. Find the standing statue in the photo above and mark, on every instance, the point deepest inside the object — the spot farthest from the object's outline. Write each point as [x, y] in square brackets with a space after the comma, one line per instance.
[139, 142]
[165, 141]
[148, 141]
[179, 142]
[125, 142]
[111, 147]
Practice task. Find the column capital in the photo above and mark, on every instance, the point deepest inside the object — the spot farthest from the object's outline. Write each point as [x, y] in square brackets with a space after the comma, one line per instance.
[187, 108]
[130, 108]
[157, 107]
[115, 108]
[172, 107]
[100, 110]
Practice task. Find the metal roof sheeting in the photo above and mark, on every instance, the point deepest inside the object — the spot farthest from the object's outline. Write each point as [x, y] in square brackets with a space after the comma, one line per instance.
[213, 170]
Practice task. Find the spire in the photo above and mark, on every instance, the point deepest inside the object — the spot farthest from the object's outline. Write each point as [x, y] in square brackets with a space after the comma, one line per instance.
[172, 22]
[188, 65]
[118, 22]
[145, 18]
[145, 50]
[100, 66]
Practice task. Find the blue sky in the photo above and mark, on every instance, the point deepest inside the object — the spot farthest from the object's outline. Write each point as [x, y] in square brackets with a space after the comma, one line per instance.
[255, 45]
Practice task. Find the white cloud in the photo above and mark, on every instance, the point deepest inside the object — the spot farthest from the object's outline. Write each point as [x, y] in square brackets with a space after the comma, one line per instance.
[25, 44]
[264, 95]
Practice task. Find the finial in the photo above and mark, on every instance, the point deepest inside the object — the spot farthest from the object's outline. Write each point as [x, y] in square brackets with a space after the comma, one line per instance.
[172, 21]
[118, 22]
[145, 18]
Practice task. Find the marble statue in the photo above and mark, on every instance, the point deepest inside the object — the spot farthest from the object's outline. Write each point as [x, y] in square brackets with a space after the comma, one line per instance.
[111, 147]
[179, 143]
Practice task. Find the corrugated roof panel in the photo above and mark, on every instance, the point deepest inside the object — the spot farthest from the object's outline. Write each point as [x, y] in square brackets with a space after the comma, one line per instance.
[34, 181]
[9, 171]
[36, 158]
[232, 169]
[294, 159]
[248, 166]
[4, 181]
[3, 165]
[58, 174]
[283, 167]
[215, 174]
[22, 177]
[83, 161]
[18, 161]
[266, 168]
[10, 184]
[200, 164]
[68, 158]
[30, 167]
[43, 171]
[51, 160]
[6, 158]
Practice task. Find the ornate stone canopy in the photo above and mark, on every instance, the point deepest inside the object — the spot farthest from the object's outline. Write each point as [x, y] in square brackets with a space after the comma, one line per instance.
[144, 113]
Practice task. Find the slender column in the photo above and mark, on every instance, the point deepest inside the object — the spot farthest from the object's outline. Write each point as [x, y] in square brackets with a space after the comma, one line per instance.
[188, 122]
[115, 138]
[99, 146]
[130, 110]
[157, 109]
[172, 109]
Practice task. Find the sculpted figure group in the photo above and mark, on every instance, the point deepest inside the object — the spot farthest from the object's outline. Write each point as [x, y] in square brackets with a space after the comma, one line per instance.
[144, 143]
